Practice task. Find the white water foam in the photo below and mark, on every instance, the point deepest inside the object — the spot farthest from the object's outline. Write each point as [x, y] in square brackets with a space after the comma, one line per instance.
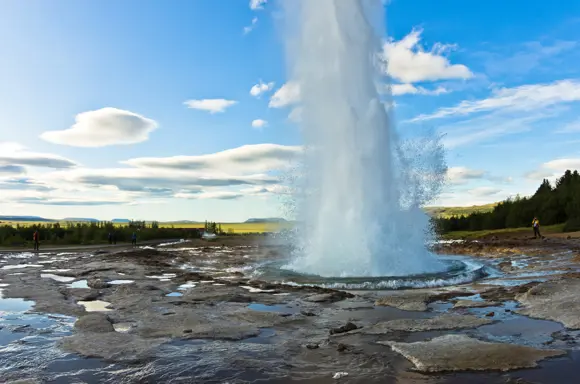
[361, 188]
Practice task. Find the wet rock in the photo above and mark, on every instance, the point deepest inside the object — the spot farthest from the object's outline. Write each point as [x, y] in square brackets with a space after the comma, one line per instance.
[238, 298]
[462, 353]
[442, 322]
[111, 346]
[97, 283]
[95, 322]
[100, 252]
[312, 346]
[307, 313]
[553, 300]
[345, 328]
[408, 301]
[490, 314]
[475, 304]
[329, 297]
[341, 348]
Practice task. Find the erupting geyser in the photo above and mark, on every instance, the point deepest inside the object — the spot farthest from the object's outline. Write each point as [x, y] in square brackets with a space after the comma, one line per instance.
[361, 189]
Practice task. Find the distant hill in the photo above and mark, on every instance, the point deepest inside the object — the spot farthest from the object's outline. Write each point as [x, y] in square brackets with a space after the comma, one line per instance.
[266, 220]
[25, 218]
[446, 212]
[120, 221]
[80, 219]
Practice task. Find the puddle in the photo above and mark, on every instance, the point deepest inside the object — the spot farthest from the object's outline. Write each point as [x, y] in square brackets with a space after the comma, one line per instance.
[123, 327]
[183, 287]
[520, 330]
[119, 282]
[79, 284]
[163, 277]
[55, 270]
[95, 306]
[218, 284]
[256, 290]
[18, 266]
[47, 261]
[14, 306]
[273, 308]
[174, 294]
[61, 279]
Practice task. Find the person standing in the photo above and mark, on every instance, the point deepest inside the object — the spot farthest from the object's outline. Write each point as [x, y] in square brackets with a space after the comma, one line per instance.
[536, 226]
[36, 240]
[134, 239]
[110, 238]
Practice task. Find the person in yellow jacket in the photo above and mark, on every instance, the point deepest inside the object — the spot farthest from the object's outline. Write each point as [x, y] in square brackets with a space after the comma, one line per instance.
[536, 226]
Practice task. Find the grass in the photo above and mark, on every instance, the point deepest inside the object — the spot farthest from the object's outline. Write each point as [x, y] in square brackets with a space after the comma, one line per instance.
[471, 235]
[446, 212]
[238, 228]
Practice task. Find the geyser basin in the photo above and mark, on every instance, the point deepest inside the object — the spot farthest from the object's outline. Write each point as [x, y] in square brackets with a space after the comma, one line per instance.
[456, 271]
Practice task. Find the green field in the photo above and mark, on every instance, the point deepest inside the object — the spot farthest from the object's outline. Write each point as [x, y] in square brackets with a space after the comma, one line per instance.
[239, 228]
[506, 232]
[447, 212]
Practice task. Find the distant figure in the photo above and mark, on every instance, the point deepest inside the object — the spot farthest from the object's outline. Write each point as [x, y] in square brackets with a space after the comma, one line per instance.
[35, 240]
[110, 238]
[134, 239]
[114, 238]
[536, 226]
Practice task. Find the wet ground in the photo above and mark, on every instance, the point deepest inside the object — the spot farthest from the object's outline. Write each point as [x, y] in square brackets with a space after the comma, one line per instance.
[183, 313]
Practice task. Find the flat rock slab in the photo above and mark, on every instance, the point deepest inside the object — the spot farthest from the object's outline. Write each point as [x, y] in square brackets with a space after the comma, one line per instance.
[442, 322]
[111, 346]
[475, 304]
[405, 301]
[463, 353]
[553, 300]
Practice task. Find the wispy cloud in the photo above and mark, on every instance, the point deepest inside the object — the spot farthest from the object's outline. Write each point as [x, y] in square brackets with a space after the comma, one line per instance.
[523, 98]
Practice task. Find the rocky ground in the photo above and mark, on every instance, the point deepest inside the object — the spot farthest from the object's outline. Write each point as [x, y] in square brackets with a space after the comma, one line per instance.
[189, 313]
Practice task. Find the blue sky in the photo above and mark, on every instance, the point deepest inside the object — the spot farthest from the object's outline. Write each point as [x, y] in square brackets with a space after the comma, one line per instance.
[134, 84]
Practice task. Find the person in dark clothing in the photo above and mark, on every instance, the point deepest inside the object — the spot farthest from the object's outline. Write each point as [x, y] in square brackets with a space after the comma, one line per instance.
[36, 240]
[134, 239]
[536, 226]
[110, 238]
[114, 238]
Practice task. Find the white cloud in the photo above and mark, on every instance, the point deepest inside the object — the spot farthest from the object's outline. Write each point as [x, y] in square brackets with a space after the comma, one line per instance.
[484, 191]
[288, 94]
[257, 4]
[554, 168]
[102, 127]
[461, 175]
[402, 89]
[408, 62]
[523, 98]
[241, 160]
[251, 27]
[261, 88]
[259, 124]
[233, 173]
[210, 105]
[13, 154]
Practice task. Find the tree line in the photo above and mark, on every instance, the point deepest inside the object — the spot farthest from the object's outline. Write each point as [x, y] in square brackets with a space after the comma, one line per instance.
[90, 233]
[551, 204]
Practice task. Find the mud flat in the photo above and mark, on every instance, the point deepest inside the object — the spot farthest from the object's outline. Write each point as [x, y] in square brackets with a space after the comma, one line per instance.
[200, 313]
